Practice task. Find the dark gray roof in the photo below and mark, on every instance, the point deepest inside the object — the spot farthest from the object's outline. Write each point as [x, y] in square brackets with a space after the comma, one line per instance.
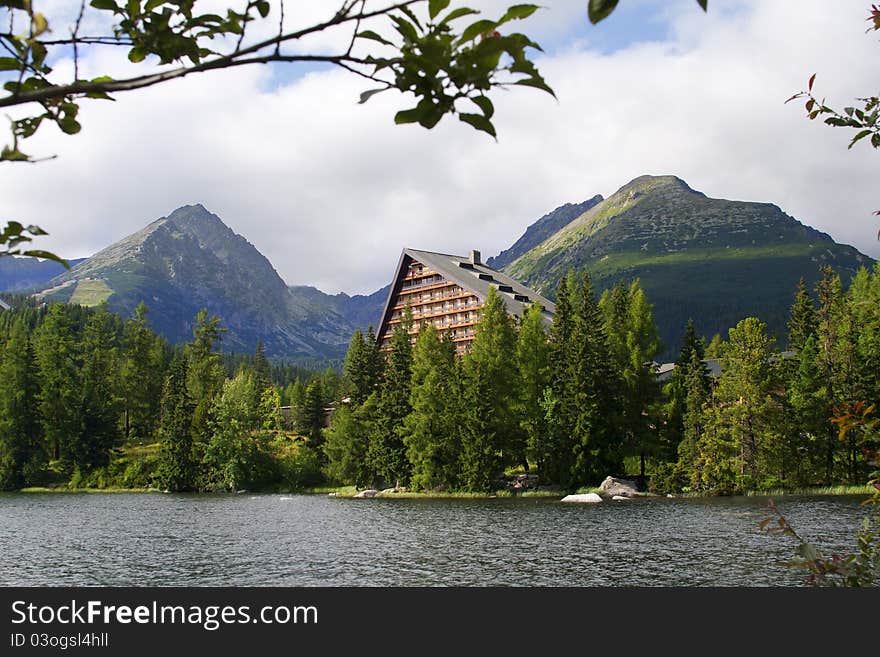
[477, 278]
[713, 365]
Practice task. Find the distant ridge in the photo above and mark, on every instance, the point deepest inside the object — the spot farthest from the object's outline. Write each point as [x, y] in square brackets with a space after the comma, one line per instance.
[713, 260]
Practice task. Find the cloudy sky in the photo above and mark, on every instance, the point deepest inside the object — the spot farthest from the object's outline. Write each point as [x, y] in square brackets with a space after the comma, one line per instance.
[330, 190]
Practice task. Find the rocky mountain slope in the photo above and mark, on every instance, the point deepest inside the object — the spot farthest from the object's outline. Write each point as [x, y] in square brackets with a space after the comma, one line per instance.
[712, 260]
[191, 260]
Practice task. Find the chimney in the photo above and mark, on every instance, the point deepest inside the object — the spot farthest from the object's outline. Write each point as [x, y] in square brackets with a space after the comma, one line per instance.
[475, 257]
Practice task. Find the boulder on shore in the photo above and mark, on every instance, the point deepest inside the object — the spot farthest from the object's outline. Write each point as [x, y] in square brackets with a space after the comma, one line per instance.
[370, 492]
[619, 487]
[583, 498]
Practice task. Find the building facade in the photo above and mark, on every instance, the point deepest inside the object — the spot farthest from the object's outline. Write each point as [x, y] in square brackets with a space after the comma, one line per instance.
[449, 291]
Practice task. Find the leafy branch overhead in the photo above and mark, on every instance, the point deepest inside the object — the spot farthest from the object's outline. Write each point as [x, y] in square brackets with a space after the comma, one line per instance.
[439, 59]
[13, 235]
[599, 10]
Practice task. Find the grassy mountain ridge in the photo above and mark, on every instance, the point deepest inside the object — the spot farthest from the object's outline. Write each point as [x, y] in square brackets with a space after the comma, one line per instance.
[712, 260]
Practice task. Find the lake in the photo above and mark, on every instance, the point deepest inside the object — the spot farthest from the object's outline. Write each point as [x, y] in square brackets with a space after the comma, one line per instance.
[314, 540]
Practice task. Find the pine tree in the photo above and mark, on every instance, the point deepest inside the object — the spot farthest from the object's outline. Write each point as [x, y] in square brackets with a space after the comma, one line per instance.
[429, 431]
[178, 468]
[676, 390]
[633, 341]
[313, 412]
[205, 373]
[694, 422]
[491, 351]
[262, 373]
[100, 407]
[359, 369]
[596, 395]
[22, 456]
[802, 322]
[59, 360]
[558, 404]
[829, 293]
[533, 365]
[807, 418]
[481, 458]
[387, 453]
[747, 416]
[142, 375]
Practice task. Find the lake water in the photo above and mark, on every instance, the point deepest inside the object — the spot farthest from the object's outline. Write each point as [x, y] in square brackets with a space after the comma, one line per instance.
[313, 540]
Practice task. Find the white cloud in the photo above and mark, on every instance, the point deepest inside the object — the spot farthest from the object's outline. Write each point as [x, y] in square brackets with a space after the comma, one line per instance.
[330, 190]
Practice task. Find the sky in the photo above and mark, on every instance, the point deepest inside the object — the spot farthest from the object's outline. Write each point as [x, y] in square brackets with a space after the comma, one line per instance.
[330, 190]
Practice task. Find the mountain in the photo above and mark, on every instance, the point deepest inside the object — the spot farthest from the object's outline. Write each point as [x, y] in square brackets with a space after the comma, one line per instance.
[712, 260]
[359, 310]
[18, 273]
[542, 229]
[191, 260]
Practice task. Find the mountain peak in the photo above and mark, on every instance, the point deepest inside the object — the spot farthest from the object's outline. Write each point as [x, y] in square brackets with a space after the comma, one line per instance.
[647, 183]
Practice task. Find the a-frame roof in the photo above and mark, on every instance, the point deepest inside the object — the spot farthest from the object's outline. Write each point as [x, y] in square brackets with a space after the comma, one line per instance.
[477, 278]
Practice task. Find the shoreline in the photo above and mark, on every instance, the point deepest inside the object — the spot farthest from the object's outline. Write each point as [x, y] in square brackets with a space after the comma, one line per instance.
[349, 492]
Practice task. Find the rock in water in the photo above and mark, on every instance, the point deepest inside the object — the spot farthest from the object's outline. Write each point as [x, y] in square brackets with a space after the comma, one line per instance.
[370, 492]
[583, 498]
[619, 487]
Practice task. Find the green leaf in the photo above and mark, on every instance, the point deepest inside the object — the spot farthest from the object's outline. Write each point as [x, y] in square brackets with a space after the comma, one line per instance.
[108, 5]
[137, 54]
[704, 4]
[69, 125]
[458, 13]
[518, 12]
[369, 34]
[537, 83]
[153, 4]
[484, 104]
[861, 135]
[436, 6]
[598, 10]
[36, 253]
[366, 95]
[9, 64]
[408, 116]
[479, 122]
[407, 30]
[263, 7]
[99, 95]
[474, 30]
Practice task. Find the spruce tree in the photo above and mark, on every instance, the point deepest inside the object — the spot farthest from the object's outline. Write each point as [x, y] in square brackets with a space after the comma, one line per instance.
[429, 430]
[22, 455]
[313, 412]
[262, 370]
[178, 468]
[493, 351]
[807, 416]
[59, 360]
[829, 293]
[533, 369]
[802, 321]
[205, 375]
[481, 459]
[358, 370]
[142, 372]
[387, 453]
[100, 405]
[558, 404]
[595, 393]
